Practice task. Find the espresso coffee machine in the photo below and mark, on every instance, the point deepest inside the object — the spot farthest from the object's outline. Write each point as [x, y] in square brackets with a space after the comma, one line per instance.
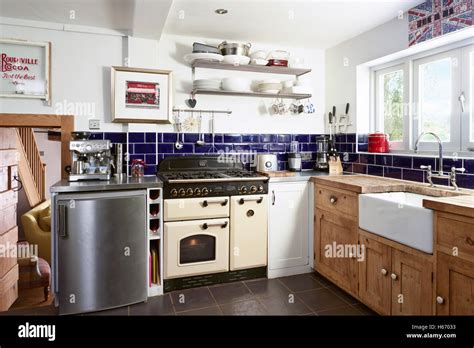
[91, 160]
[322, 158]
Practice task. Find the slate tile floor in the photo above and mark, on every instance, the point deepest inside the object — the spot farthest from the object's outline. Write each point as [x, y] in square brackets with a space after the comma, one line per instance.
[306, 294]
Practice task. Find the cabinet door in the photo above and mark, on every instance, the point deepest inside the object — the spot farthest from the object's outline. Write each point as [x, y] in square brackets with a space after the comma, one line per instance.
[333, 232]
[454, 286]
[374, 275]
[412, 284]
[289, 225]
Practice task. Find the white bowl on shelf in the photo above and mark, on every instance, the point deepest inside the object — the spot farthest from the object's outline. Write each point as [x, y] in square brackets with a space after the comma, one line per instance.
[236, 59]
[269, 87]
[256, 61]
[262, 55]
[209, 57]
[236, 84]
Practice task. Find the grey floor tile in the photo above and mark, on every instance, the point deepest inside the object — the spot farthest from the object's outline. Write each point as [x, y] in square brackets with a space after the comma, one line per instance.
[185, 300]
[251, 307]
[284, 306]
[230, 292]
[323, 280]
[157, 305]
[215, 310]
[344, 295]
[267, 287]
[321, 299]
[301, 282]
[347, 310]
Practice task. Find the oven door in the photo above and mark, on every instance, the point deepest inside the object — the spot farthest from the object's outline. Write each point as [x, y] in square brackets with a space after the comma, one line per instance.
[196, 247]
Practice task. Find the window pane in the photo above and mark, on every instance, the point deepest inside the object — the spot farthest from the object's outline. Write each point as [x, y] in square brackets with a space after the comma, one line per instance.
[471, 87]
[435, 88]
[393, 104]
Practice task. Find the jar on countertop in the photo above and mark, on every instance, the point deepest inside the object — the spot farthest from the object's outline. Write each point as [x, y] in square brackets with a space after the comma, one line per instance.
[138, 168]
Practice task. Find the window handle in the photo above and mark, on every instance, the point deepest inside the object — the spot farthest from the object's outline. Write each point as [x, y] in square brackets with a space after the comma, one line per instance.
[462, 99]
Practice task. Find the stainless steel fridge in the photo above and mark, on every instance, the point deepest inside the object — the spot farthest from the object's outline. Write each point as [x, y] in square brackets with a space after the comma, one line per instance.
[99, 250]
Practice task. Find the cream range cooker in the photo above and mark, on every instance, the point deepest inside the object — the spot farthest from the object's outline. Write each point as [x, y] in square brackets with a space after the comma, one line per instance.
[215, 219]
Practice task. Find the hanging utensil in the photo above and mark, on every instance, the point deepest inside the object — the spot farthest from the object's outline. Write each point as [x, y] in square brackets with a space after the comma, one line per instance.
[200, 140]
[330, 125]
[213, 147]
[179, 143]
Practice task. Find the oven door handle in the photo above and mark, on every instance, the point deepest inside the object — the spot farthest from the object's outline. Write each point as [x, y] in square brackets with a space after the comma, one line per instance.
[258, 200]
[205, 225]
[223, 203]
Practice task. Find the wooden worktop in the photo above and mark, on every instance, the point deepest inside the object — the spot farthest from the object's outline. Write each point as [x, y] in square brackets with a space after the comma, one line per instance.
[444, 199]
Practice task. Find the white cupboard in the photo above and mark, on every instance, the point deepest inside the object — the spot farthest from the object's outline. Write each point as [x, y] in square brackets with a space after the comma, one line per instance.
[290, 226]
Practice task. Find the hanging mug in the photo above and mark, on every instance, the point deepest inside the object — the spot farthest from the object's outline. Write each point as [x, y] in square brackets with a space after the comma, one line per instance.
[309, 107]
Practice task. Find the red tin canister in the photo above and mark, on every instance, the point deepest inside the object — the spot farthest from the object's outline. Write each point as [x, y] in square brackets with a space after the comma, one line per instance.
[378, 142]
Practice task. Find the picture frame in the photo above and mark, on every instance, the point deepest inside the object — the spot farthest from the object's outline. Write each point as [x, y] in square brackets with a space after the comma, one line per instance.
[25, 68]
[141, 95]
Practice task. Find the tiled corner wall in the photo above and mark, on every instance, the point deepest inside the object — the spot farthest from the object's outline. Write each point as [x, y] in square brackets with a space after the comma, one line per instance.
[153, 147]
[396, 166]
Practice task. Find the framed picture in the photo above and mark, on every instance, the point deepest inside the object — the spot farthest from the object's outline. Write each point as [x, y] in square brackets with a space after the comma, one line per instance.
[25, 69]
[141, 95]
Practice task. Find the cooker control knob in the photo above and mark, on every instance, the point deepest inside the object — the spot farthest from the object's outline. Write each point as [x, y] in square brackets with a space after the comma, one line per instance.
[260, 188]
[197, 192]
[253, 189]
[189, 192]
[174, 193]
[181, 192]
[205, 191]
[243, 189]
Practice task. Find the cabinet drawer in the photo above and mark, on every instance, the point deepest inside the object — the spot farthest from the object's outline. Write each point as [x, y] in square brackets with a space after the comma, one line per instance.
[8, 288]
[196, 208]
[9, 240]
[456, 232]
[7, 218]
[337, 201]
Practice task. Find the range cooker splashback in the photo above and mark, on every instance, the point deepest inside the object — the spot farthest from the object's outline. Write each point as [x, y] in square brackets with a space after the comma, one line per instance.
[207, 162]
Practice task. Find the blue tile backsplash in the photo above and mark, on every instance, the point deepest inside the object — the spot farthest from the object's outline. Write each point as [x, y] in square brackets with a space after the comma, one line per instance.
[154, 147]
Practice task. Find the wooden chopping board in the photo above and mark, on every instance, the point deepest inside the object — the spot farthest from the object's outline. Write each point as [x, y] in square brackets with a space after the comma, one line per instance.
[278, 173]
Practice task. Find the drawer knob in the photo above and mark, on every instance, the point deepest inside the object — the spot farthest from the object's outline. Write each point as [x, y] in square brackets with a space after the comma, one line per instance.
[394, 276]
[333, 200]
[469, 241]
[439, 300]
[384, 271]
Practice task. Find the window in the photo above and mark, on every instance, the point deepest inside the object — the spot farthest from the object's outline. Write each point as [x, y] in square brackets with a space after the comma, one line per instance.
[429, 93]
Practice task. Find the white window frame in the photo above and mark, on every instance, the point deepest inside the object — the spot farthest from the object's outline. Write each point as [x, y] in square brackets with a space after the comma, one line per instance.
[467, 88]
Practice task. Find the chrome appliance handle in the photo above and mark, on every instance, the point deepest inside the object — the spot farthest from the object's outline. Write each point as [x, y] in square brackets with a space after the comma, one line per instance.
[62, 220]
[223, 203]
[273, 197]
[258, 200]
[462, 99]
[205, 226]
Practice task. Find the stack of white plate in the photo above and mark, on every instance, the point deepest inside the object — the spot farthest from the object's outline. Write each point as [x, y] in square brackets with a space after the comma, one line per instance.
[210, 57]
[269, 86]
[207, 84]
[236, 84]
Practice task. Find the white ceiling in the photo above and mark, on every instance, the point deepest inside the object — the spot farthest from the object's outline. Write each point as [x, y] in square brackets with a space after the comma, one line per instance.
[307, 23]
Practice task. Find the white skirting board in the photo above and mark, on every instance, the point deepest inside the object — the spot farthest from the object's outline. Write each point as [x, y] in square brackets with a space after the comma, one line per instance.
[285, 272]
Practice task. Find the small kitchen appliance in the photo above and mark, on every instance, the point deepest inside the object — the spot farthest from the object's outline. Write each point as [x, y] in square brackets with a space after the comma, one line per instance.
[322, 160]
[267, 163]
[91, 160]
[378, 142]
[294, 157]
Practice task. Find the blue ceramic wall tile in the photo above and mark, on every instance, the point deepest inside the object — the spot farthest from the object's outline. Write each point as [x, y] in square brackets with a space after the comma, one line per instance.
[165, 148]
[413, 175]
[284, 138]
[169, 137]
[469, 166]
[136, 157]
[282, 156]
[402, 161]
[351, 137]
[150, 169]
[202, 149]
[232, 138]
[340, 138]
[145, 148]
[241, 147]
[347, 167]
[218, 138]
[308, 147]
[159, 137]
[350, 157]
[116, 137]
[307, 164]
[190, 137]
[150, 159]
[448, 163]
[150, 137]
[130, 149]
[363, 147]
[424, 161]
[390, 172]
[362, 139]
[282, 165]
[302, 138]
[259, 147]
[383, 160]
[268, 138]
[366, 158]
[375, 170]
[465, 181]
[359, 168]
[250, 138]
[136, 137]
[97, 136]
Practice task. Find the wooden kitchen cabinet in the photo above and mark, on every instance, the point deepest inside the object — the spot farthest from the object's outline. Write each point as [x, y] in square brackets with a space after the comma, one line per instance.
[289, 228]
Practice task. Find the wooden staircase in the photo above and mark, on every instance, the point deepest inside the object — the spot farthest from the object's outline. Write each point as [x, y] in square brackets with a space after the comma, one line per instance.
[31, 167]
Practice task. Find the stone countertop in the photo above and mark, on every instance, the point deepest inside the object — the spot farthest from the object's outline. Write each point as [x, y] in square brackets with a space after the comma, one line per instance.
[115, 183]
[304, 175]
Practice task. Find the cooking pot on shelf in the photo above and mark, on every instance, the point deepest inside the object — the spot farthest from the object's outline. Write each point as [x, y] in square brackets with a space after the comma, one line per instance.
[229, 48]
[379, 142]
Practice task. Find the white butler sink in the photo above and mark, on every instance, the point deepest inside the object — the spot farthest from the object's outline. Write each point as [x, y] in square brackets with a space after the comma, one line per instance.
[398, 216]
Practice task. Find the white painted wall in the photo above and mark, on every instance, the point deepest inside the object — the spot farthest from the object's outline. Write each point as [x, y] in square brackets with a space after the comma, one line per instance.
[341, 80]
[81, 74]
[51, 157]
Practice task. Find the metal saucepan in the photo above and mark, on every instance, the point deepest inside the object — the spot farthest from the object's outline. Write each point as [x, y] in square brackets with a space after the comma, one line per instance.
[228, 48]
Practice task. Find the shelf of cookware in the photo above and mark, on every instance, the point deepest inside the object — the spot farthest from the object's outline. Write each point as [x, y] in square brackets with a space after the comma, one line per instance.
[250, 68]
[252, 94]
